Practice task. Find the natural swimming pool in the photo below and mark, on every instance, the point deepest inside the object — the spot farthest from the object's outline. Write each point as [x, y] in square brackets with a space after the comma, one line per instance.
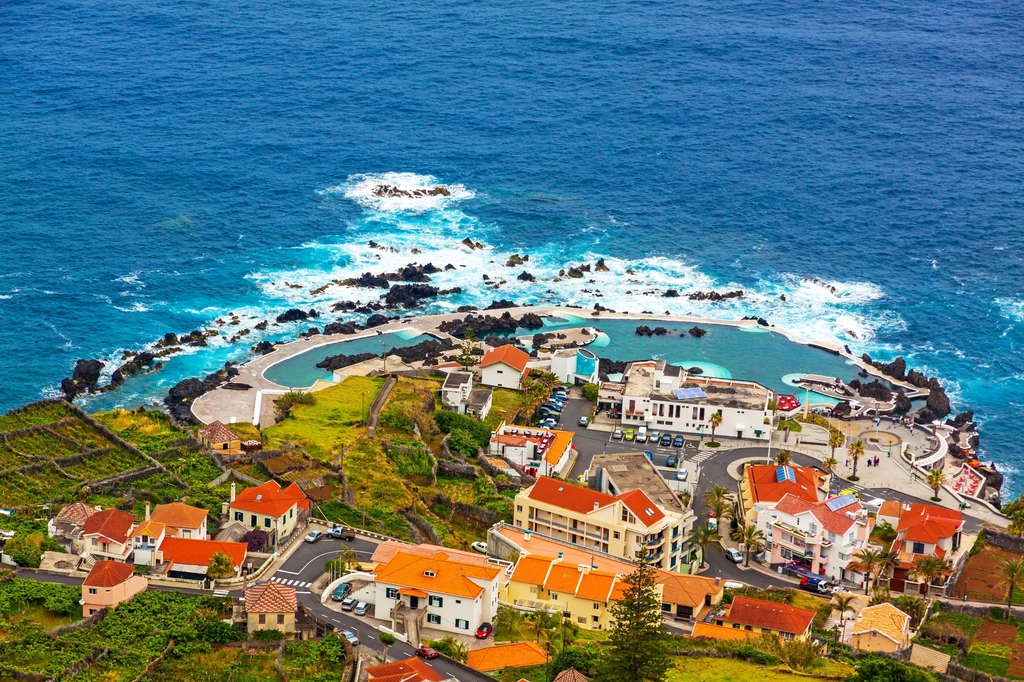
[757, 354]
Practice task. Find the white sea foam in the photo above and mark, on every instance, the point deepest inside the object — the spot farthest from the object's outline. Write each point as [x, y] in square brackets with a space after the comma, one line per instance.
[359, 188]
[1011, 308]
[5, 297]
[131, 278]
[136, 307]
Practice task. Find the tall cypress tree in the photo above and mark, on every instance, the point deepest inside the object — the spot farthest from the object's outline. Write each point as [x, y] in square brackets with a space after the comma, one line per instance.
[638, 650]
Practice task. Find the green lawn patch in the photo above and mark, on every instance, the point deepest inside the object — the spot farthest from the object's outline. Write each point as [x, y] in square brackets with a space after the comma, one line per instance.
[791, 424]
[693, 669]
[506, 405]
[148, 430]
[993, 665]
[332, 424]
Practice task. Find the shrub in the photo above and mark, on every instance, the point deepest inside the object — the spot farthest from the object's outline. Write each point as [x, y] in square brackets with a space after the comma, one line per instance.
[448, 422]
[27, 550]
[590, 392]
[267, 635]
[397, 420]
[753, 655]
[463, 442]
[286, 402]
[450, 647]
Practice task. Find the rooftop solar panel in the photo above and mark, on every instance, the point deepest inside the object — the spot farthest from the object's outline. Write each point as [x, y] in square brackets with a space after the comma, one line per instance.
[840, 502]
[689, 393]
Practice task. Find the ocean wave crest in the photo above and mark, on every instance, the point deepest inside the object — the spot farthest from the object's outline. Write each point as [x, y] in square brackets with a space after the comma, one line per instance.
[361, 189]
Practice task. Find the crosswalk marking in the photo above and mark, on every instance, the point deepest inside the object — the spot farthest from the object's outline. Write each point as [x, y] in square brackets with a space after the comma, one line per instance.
[702, 456]
[289, 582]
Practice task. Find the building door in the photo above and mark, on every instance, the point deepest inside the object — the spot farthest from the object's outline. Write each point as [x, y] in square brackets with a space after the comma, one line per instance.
[414, 602]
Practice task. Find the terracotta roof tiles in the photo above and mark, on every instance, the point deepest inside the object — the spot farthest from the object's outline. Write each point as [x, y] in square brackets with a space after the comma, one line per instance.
[501, 656]
[767, 484]
[179, 515]
[270, 499]
[769, 615]
[271, 597]
[216, 432]
[885, 619]
[199, 552]
[108, 574]
[76, 512]
[439, 574]
[508, 354]
[584, 500]
[406, 670]
[113, 524]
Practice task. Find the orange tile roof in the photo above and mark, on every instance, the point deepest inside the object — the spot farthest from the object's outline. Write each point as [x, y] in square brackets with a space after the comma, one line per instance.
[583, 500]
[532, 569]
[563, 439]
[770, 615]
[712, 631]
[153, 529]
[406, 670]
[501, 656]
[413, 592]
[198, 552]
[596, 586]
[108, 574]
[514, 441]
[834, 521]
[765, 487]
[562, 578]
[179, 515]
[688, 590]
[929, 523]
[113, 524]
[271, 597]
[216, 432]
[450, 576]
[890, 508]
[387, 550]
[508, 354]
[571, 675]
[270, 499]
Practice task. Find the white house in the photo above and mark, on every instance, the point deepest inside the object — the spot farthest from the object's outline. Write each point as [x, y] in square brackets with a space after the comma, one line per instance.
[146, 540]
[544, 452]
[504, 367]
[574, 366]
[455, 391]
[107, 535]
[444, 592]
[664, 397]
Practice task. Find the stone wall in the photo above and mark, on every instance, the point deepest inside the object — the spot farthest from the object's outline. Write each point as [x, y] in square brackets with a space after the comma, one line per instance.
[1004, 540]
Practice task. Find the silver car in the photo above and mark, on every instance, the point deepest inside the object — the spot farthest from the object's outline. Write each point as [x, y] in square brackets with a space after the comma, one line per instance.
[361, 609]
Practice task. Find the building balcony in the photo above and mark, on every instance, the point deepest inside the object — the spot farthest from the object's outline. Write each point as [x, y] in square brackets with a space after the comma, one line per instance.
[655, 542]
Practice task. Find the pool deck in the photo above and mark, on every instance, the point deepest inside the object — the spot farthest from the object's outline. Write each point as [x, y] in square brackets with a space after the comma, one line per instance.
[253, 405]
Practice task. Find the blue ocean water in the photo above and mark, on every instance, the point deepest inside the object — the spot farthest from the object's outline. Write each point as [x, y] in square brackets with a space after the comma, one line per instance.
[163, 164]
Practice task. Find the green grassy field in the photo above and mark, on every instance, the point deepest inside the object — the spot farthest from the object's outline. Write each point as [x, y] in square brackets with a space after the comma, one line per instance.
[689, 669]
[332, 424]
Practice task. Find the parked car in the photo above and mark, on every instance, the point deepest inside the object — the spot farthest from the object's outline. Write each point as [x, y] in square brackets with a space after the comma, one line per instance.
[654, 437]
[350, 636]
[734, 555]
[361, 609]
[672, 461]
[584, 421]
[641, 434]
[484, 631]
[348, 604]
[314, 535]
[677, 442]
[629, 435]
[341, 591]
[617, 434]
[341, 533]
[666, 440]
[760, 557]
[681, 475]
[480, 547]
[426, 652]
[547, 423]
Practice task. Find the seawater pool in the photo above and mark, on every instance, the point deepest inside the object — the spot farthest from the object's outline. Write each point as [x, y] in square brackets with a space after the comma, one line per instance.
[725, 351]
[300, 371]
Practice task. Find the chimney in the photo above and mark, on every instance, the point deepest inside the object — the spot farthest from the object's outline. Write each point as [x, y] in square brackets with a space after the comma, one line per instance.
[147, 510]
[718, 582]
[526, 536]
[597, 505]
[232, 491]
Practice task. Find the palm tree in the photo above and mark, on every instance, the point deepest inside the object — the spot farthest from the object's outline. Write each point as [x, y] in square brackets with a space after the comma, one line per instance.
[718, 493]
[702, 536]
[936, 479]
[1011, 576]
[835, 440]
[927, 569]
[784, 457]
[887, 561]
[830, 464]
[539, 620]
[869, 558]
[716, 421]
[914, 607]
[844, 603]
[722, 510]
[350, 557]
[856, 451]
[751, 538]
[387, 639]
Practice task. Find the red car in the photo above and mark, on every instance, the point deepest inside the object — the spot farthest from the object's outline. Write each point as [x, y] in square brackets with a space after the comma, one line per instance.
[484, 631]
[426, 652]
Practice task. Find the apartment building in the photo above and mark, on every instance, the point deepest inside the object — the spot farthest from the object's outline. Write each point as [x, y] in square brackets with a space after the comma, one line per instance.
[543, 452]
[628, 525]
[921, 530]
[762, 486]
[665, 397]
[819, 538]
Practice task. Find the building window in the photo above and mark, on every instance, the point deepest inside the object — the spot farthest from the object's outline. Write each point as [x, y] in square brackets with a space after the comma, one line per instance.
[519, 507]
[433, 618]
[280, 619]
[595, 619]
[253, 521]
[390, 593]
[436, 601]
[597, 606]
[239, 516]
[186, 533]
[266, 522]
[92, 590]
[263, 619]
[461, 624]
[581, 620]
[615, 534]
[284, 519]
[918, 548]
[554, 597]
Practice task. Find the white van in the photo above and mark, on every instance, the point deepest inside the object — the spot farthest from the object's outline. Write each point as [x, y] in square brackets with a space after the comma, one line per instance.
[641, 434]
